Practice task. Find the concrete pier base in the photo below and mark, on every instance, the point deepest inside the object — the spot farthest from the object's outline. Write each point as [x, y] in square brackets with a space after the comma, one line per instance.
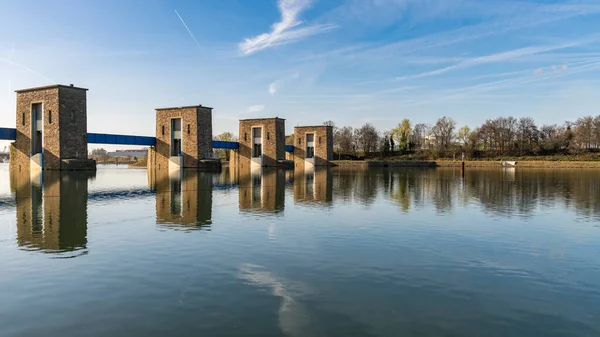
[174, 163]
[212, 165]
[78, 165]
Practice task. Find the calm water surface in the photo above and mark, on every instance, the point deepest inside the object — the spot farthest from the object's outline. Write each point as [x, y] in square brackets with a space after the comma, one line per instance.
[390, 252]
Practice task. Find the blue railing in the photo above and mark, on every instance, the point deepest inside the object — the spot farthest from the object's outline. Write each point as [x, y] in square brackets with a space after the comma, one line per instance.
[221, 144]
[8, 134]
[104, 138]
[100, 138]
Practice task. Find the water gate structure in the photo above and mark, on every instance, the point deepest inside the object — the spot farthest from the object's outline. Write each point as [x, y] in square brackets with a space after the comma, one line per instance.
[51, 134]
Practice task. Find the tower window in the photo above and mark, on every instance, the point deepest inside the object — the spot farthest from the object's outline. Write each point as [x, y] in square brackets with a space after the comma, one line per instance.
[163, 130]
[23, 118]
[49, 116]
[72, 115]
[188, 129]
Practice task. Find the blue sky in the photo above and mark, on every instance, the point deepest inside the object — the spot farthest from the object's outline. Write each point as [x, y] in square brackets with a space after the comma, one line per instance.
[307, 61]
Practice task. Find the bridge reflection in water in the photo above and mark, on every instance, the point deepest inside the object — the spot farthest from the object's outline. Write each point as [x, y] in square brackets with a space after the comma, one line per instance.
[52, 211]
[52, 208]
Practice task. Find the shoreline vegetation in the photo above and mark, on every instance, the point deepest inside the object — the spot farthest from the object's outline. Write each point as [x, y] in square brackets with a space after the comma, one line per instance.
[468, 164]
[496, 140]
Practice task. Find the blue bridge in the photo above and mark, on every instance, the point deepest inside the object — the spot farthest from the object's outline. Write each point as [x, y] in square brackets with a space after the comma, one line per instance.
[104, 138]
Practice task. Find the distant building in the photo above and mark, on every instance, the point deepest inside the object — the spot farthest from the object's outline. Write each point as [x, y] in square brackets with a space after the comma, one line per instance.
[129, 153]
[429, 142]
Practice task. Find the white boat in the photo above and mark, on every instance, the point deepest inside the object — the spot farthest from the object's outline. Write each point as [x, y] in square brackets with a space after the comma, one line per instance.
[508, 163]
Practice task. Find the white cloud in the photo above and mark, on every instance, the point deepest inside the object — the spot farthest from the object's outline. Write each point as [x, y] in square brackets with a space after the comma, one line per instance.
[507, 17]
[516, 82]
[285, 31]
[273, 87]
[499, 57]
[278, 84]
[256, 108]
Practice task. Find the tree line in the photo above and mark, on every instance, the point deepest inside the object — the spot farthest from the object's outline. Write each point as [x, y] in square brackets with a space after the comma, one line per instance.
[502, 136]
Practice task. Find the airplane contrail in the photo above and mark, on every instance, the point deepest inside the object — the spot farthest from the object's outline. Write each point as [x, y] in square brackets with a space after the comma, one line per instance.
[189, 31]
[27, 69]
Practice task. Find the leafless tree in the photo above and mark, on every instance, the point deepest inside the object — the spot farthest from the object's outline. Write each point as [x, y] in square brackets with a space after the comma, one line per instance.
[443, 130]
[552, 138]
[597, 131]
[420, 131]
[367, 137]
[584, 132]
[344, 140]
[527, 135]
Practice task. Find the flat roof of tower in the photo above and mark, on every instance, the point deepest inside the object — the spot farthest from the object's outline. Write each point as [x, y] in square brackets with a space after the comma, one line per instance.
[50, 87]
[185, 107]
[259, 119]
[312, 126]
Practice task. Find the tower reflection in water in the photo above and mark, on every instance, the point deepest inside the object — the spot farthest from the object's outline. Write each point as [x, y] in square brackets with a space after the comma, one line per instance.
[313, 186]
[183, 198]
[52, 211]
[262, 190]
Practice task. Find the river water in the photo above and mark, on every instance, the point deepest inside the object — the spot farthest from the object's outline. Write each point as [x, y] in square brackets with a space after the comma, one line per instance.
[383, 252]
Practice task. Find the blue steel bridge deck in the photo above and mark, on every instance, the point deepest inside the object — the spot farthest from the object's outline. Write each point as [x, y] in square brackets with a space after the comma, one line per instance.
[112, 139]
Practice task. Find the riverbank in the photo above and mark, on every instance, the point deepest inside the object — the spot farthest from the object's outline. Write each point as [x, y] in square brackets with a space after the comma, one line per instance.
[472, 163]
[527, 163]
[442, 163]
[139, 164]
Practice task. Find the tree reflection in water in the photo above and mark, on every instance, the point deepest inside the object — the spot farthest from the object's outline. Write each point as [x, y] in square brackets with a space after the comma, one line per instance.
[504, 192]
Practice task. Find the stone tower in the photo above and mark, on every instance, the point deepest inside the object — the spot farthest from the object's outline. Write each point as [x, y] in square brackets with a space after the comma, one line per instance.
[313, 146]
[262, 142]
[51, 129]
[183, 137]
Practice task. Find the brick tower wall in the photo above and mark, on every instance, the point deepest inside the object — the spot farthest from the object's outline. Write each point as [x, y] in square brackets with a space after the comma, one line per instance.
[196, 128]
[273, 142]
[72, 119]
[323, 144]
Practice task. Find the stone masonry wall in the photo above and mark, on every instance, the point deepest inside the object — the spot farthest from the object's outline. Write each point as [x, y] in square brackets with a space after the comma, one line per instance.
[280, 140]
[196, 128]
[72, 119]
[323, 145]
[205, 135]
[49, 99]
[273, 142]
[63, 137]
